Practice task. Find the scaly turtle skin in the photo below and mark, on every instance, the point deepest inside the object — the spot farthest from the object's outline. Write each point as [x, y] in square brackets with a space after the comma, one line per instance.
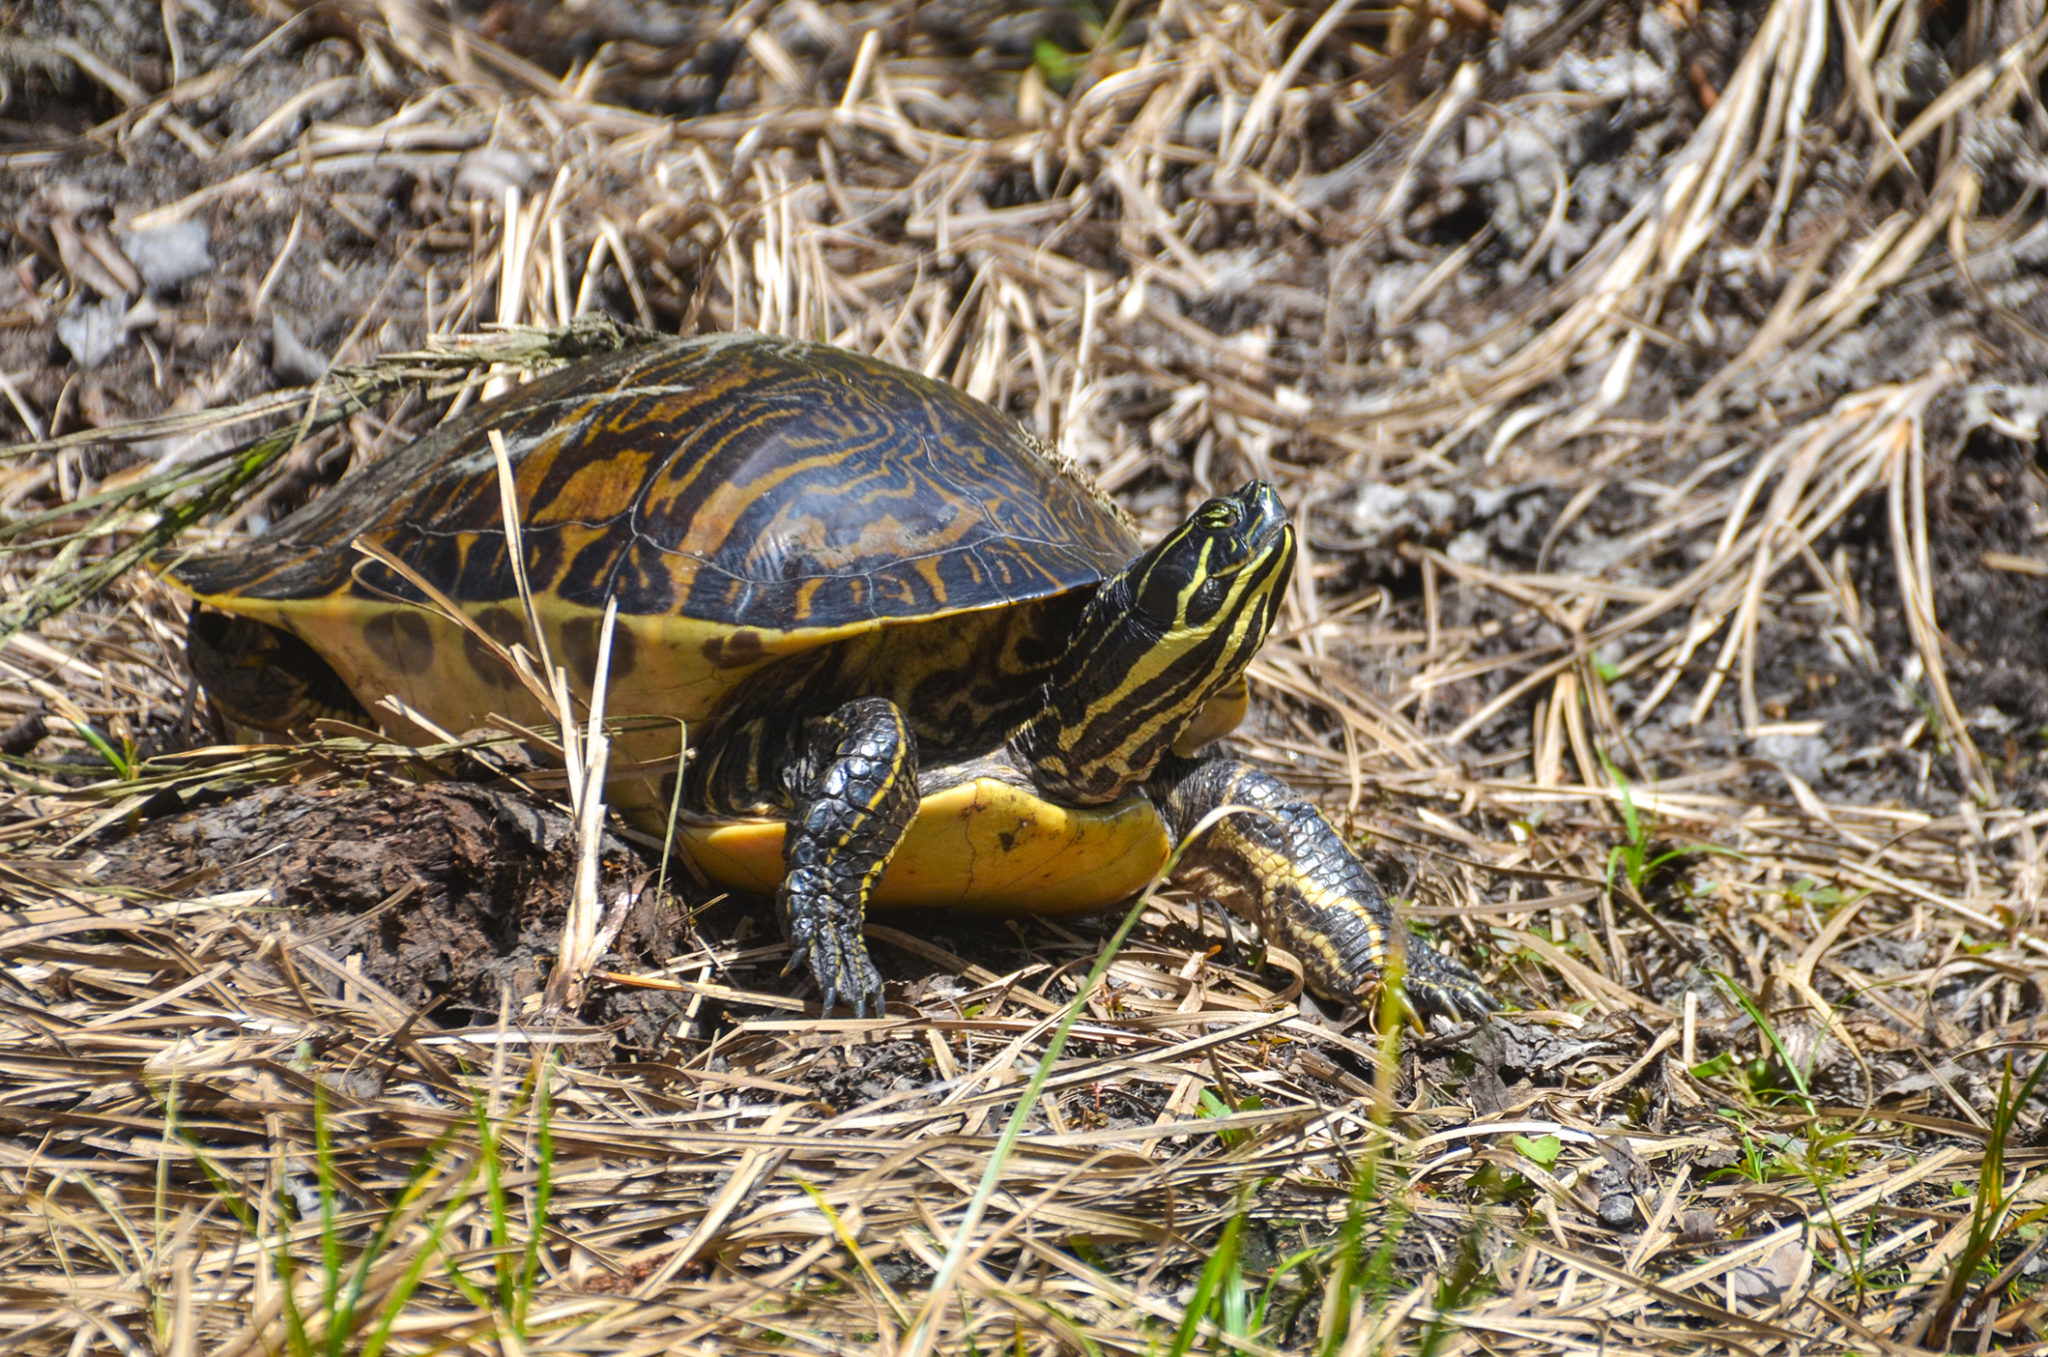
[919, 663]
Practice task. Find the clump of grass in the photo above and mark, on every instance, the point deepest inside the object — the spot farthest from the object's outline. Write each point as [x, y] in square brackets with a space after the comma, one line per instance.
[2000, 1219]
[365, 1275]
[1636, 857]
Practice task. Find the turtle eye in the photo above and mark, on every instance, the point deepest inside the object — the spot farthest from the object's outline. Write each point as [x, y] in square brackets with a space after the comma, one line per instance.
[1218, 515]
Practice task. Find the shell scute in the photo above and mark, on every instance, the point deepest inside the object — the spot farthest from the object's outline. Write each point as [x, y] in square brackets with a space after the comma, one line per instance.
[739, 481]
[486, 568]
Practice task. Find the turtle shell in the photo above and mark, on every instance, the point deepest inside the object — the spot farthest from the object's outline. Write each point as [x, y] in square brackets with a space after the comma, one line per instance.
[740, 497]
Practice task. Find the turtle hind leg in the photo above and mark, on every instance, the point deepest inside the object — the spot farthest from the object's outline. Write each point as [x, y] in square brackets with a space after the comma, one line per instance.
[1284, 867]
[262, 677]
[854, 790]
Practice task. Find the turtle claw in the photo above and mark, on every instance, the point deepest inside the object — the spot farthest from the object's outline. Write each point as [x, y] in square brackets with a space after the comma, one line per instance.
[855, 979]
[848, 976]
[832, 949]
[1439, 985]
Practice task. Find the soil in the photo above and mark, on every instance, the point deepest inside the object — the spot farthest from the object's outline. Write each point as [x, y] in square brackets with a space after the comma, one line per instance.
[449, 896]
[208, 331]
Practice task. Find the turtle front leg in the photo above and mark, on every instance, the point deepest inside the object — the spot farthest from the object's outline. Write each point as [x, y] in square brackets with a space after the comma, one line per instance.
[1290, 873]
[855, 791]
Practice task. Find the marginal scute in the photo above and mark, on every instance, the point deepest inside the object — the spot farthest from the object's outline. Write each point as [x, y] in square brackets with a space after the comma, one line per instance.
[580, 637]
[486, 569]
[435, 557]
[503, 626]
[543, 550]
[644, 582]
[734, 650]
[402, 639]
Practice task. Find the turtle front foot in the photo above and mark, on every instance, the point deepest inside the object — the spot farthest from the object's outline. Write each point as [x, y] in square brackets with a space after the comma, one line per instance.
[1280, 863]
[827, 936]
[855, 792]
[1437, 984]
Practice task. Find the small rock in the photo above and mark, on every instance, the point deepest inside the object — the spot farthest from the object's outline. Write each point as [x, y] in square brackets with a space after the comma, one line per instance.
[166, 256]
[1468, 548]
[1765, 1282]
[1617, 1210]
[1798, 753]
[1988, 717]
[1616, 1181]
[93, 330]
[1385, 515]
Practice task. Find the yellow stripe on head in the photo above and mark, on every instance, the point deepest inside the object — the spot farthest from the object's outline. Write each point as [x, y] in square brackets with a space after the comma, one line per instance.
[1157, 642]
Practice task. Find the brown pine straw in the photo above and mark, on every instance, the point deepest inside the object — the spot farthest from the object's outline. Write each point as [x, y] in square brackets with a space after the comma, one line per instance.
[759, 1177]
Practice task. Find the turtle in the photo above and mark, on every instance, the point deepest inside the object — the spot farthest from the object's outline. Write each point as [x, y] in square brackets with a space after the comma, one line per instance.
[915, 657]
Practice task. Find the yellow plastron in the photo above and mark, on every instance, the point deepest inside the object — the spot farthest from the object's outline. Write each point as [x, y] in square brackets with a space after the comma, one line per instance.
[982, 845]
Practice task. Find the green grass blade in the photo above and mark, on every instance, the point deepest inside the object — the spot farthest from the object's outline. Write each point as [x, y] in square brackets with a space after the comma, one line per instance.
[543, 1183]
[1222, 1262]
[330, 1235]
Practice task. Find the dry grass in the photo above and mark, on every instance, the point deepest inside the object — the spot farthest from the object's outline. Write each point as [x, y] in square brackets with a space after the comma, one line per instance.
[1753, 1099]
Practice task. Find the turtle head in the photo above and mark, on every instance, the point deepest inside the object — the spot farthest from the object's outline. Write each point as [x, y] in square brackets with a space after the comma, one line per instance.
[1159, 640]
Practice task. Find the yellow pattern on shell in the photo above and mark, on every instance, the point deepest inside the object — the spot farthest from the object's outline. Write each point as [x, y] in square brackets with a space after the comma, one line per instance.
[692, 669]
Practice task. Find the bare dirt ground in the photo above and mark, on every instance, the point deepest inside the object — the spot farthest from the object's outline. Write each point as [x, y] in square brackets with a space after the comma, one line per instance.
[1658, 388]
